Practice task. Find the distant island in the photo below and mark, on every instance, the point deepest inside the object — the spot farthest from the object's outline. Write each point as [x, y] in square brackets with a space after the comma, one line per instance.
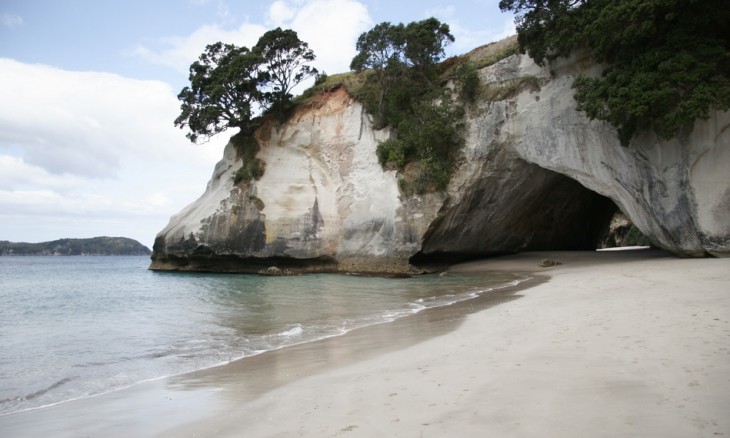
[106, 246]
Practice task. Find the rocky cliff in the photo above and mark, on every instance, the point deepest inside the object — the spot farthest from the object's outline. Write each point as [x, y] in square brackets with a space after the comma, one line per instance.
[534, 174]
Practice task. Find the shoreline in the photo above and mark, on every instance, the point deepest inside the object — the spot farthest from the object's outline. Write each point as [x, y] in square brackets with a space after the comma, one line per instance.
[604, 347]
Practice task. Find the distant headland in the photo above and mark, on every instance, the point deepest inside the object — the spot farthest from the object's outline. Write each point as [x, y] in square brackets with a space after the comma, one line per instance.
[107, 246]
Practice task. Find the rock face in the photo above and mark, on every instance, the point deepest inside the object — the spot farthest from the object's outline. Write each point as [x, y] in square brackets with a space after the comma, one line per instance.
[323, 204]
[676, 192]
[535, 174]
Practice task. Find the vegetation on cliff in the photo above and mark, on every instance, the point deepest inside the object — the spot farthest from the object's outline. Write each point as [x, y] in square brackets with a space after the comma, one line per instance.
[108, 246]
[667, 61]
[403, 90]
[229, 85]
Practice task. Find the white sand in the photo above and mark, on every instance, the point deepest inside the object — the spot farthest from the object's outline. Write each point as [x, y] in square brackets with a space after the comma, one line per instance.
[614, 345]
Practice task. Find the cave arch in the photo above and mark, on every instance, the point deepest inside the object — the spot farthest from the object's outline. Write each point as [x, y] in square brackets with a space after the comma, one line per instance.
[522, 208]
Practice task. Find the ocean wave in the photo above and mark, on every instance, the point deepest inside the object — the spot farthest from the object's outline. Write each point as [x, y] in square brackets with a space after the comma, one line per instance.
[297, 330]
[9, 404]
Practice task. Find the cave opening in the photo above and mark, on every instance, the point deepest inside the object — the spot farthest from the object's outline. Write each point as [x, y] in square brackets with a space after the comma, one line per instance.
[528, 209]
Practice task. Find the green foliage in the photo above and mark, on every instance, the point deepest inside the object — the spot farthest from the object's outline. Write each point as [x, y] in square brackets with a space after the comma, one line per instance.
[253, 168]
[320, 78]
[402, 92]
[424, 44]
[381, 50]
[223, 91]
[496, 56]
[284, 65]
[668, 61]
[257, 202]
[468, 81]
[428, 134]
[228, 84]
[634, 237]
[391, 151]
[399, 55]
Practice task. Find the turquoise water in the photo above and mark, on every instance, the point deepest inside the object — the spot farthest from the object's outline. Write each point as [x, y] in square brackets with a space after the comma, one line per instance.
[72, 327]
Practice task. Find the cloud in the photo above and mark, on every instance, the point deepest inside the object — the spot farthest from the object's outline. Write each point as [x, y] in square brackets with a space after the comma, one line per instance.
[16, 174]
[93, 148]
[180, 52]
[50, 204]
[11, 21]
[85, 123]
[280, 13]
[330, 27]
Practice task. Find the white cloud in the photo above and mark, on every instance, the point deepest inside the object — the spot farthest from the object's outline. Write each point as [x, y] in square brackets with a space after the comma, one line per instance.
[280, 12]
[330, 27]
[180, 52]
[87, 147]
[15, 174]
[86, 123]
[48, 203]
[11, 21]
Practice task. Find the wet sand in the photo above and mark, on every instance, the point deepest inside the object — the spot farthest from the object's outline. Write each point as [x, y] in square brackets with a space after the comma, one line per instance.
[625, 343]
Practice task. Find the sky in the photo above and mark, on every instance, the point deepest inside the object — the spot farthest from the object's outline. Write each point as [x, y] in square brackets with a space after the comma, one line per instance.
[88, 98]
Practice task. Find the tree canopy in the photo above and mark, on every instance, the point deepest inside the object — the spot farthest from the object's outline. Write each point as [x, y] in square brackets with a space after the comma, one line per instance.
[424, 43]
[285, 59]
[667, 61]
[381, 50]
[396, 52]
[229, 84]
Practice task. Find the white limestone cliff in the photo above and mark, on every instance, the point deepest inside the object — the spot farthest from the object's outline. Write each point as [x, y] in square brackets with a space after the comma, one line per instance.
[327, 203]
[535, 174]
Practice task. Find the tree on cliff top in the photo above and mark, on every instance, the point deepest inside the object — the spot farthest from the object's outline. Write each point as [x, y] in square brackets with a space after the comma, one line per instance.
[285, 63]
[223, 91]
[229, 84]
[389, 50]
[667, 61]
[381, 50]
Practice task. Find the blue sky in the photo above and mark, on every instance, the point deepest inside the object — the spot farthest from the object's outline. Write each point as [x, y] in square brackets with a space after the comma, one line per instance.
[87, 98]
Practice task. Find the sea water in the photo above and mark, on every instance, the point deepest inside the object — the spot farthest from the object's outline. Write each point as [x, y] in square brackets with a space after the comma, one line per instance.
[72, 327]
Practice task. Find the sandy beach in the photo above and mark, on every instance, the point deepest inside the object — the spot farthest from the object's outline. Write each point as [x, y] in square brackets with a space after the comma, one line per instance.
[606, 344]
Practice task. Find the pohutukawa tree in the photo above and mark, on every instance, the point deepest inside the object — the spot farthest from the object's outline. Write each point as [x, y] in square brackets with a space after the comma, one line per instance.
[285, 63]
[223, 91]
[230, 85]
